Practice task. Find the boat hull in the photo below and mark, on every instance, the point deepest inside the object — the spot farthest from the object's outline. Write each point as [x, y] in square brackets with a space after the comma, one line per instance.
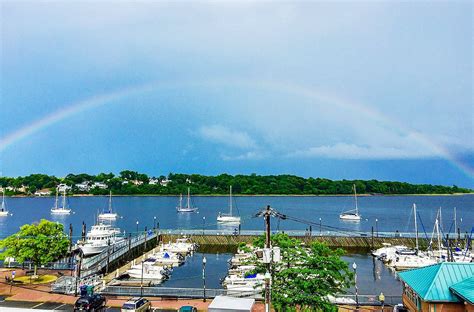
[60, 211]
[228, 219]
[3, 213]
[350, 217]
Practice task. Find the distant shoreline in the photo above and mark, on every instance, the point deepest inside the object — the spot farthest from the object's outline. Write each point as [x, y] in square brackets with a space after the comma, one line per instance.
[246, 195]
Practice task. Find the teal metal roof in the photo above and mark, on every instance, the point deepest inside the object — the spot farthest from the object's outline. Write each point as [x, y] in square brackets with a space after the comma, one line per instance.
[432, 282]
[465, 290]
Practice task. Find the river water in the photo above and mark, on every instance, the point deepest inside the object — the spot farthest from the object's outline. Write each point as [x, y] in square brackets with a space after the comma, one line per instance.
[392, 213]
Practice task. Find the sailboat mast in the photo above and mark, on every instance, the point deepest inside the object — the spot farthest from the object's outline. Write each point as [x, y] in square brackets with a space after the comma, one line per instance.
[455, 223]
[3, 201]
[188, 203]
[416, 226]
[56, 200]
[64, 199]
[110, 202]
[355, 197]
[230, 200]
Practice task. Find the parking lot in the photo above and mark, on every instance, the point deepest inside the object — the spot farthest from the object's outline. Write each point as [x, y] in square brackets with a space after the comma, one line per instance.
[51, 306]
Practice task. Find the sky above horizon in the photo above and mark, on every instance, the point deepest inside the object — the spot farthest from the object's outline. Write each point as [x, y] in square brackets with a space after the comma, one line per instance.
[342, 90]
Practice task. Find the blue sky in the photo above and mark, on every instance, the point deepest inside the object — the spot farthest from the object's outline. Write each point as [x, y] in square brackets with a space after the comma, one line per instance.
[376, 89]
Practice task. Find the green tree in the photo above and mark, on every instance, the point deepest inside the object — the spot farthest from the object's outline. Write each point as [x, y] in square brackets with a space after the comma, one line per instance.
[40, 243]
[306, 276]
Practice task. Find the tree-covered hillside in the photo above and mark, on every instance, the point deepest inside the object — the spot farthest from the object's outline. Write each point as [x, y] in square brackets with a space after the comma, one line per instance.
[131, 182]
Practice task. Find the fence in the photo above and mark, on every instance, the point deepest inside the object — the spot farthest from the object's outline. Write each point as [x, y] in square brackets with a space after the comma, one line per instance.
[168, 292]
[67, 284]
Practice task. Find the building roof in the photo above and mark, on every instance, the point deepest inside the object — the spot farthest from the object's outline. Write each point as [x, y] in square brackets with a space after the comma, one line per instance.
[465, 290]
[432, 282]
[231, 304]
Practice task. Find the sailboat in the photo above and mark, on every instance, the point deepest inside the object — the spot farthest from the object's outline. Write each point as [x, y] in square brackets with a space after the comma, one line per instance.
[4, 211]
[189, 207]
[108, 214]
[353, 214]
[60, 210]
[228, 217]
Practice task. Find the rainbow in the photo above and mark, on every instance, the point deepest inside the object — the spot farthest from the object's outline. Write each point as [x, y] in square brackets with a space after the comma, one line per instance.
[75, 108]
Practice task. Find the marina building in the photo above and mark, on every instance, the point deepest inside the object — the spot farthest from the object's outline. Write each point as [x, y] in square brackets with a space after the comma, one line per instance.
[442, 287]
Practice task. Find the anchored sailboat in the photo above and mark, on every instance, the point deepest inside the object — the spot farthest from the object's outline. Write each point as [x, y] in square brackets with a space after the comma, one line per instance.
[4, 211]
[228, 218]
[189, 207]
[353, 214]
[60, 210]
[108, 215]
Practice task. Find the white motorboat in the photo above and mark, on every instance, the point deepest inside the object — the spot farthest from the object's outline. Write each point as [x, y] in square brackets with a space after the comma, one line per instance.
[108, 214]
[228, 217]
[99, 238]
[145, 274]
[4, 212]
[167, 258]
[60, 210]
[181, 246]
[189, 207]
[352, 215]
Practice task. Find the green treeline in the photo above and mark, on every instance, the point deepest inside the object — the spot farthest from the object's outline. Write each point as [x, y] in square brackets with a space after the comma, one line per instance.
[131, 182]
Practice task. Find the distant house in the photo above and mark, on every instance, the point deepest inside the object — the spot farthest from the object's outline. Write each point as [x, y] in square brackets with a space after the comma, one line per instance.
[153, 181]
[43, 192]
[189, 181]
[137, 182]
[446, 286]
[164, 182]
[99, 185]
[84, 186]
[63, 187]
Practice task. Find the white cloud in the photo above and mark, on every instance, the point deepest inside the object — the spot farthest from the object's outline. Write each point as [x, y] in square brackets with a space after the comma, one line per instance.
[228, 137]
[354, 151]
[252, 155]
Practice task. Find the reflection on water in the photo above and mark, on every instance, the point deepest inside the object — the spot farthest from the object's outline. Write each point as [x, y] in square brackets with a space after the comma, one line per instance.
[228, 228]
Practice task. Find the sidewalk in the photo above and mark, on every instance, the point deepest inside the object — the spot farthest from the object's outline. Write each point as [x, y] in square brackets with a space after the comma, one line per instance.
[41, 293]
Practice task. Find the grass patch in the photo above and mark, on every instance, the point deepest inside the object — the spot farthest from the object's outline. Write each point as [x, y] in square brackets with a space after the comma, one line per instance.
[41, 279]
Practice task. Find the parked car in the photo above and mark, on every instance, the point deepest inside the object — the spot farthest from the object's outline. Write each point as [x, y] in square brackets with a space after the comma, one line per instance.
[399, 308]
[187, 309]
[136, 304]
[90, 303]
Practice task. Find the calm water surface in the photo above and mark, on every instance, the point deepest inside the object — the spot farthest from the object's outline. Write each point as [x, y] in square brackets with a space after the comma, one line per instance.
[393, 212]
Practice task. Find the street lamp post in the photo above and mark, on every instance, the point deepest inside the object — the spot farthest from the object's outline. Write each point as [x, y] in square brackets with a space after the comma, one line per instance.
[137, 227]
[268, 278]
[154, 223]
[320, 227]
[203, 224]
[354, 266]
[204, 278]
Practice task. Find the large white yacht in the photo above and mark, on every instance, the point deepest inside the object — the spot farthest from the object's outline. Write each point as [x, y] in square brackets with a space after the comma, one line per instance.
[99, 238]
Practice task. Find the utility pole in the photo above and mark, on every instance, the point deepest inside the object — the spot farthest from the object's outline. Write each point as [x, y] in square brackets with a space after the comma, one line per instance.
[267, 246]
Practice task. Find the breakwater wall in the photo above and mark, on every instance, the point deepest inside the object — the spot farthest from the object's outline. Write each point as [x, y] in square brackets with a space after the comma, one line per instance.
[345, 242]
